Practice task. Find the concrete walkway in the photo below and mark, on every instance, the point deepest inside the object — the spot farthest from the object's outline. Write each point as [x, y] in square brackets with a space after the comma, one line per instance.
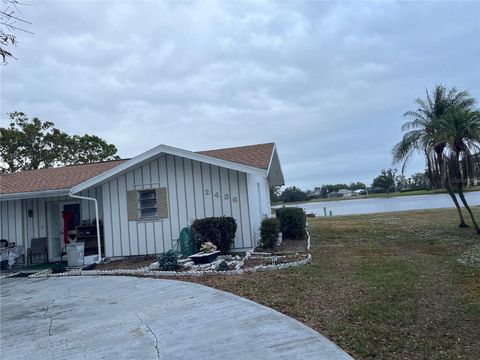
[132, 318]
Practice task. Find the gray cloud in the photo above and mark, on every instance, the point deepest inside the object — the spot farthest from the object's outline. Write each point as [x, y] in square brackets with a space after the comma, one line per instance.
[328, 82]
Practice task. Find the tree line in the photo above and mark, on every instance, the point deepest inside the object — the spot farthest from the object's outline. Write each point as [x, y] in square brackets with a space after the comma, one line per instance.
[388, 181]
[28, 144]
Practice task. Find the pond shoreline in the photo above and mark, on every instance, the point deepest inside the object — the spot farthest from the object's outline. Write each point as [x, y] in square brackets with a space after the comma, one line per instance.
[374, 196]
[371, 205]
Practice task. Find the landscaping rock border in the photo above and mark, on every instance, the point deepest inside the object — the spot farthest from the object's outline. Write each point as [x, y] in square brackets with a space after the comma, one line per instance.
[147, 272]
[9, 275]
[287, 265]
[150, 271]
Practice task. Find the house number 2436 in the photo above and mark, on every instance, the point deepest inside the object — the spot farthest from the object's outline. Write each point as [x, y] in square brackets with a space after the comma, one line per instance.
[217, 195]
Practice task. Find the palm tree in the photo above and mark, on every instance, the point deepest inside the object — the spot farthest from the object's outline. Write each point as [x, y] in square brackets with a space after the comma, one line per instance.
[421, 135]
[460, 131]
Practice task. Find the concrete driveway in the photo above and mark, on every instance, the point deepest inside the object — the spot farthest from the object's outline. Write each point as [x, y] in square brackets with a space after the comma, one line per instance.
[132, 318]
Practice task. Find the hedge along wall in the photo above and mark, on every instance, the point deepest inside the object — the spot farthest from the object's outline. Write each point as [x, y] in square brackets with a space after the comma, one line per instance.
[292, 222]
[269, 232]
[218, 230]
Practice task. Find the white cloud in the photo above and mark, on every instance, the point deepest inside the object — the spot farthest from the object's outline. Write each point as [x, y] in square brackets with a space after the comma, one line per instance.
[328, 82]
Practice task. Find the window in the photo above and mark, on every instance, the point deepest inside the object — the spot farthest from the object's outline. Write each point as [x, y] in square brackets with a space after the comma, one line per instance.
[147, 203]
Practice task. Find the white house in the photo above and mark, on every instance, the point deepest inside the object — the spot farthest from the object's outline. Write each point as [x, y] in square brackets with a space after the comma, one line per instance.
[143, 202]
[345, 192]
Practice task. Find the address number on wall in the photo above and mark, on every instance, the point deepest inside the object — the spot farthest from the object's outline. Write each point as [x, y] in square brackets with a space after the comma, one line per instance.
[217, 195]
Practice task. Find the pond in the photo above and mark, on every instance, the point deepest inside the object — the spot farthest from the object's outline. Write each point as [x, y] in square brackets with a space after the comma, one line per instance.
[386, 204]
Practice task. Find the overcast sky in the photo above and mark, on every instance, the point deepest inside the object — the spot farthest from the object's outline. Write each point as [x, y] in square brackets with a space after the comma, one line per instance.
[327, 81]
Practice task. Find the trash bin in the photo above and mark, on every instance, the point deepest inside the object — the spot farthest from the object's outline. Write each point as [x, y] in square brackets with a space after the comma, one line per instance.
[187, 246]
[75, 254]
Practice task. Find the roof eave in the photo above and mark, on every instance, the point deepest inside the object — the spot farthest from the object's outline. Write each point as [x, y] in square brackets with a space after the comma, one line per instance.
[118, 170]
[34, 194]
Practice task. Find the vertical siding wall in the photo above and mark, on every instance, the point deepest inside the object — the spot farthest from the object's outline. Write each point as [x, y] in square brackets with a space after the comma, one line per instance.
[195, 190]
[259, 201]
[11, 227]
[16, 226]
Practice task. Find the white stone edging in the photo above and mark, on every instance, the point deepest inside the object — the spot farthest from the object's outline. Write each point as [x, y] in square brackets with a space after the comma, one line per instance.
[146, 272]
[287, 265]
[9, 275]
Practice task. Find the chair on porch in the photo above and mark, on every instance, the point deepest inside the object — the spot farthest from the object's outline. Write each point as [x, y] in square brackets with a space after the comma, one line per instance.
[38, 247]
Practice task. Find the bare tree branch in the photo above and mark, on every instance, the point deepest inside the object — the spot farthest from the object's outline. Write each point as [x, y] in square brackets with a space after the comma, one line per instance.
[8, 25]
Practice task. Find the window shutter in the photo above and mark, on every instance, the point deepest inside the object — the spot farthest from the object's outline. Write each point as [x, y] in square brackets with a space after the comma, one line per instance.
[132, 205]
[162, 204]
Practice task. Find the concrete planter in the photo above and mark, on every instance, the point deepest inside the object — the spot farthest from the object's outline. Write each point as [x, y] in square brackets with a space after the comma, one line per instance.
[204, 258]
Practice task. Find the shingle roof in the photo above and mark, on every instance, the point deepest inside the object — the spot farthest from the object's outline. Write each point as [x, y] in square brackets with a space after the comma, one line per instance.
[53, 178]
[68, 176]
[252, 155]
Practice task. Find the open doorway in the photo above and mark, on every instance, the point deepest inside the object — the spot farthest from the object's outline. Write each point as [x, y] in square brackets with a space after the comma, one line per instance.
[63, 218]
[71, 219]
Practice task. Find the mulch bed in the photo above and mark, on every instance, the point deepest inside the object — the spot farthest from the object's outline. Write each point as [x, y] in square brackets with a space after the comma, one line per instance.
[294, 250]
[138, 262]
[127, 263]
[288, 246]
[292, 245]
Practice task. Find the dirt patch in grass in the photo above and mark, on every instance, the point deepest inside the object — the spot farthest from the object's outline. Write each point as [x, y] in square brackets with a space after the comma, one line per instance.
[382, 286]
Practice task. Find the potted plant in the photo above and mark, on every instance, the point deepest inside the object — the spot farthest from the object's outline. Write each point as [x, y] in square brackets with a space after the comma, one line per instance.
[208, 253]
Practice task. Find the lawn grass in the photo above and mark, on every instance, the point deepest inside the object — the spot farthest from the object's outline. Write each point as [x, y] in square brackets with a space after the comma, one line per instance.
[382, 286]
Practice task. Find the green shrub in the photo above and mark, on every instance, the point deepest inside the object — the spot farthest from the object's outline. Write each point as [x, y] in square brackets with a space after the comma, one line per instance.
[168, 261]
[59, 267]
[223, 266]
[292, 222]
[218, 230]
[269, 230]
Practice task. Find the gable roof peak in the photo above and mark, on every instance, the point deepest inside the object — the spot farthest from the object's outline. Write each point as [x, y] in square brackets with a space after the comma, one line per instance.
[254, 157]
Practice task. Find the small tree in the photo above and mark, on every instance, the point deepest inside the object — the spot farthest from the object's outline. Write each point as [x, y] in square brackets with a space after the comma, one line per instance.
[293, 193]
[357, 186]
[420, 181]
[385, 181]
[274, 193]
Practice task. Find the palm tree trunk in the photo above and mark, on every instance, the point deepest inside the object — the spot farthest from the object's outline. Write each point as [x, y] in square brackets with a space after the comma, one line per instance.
[464, 201]
[457, 205]
[444, 175]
